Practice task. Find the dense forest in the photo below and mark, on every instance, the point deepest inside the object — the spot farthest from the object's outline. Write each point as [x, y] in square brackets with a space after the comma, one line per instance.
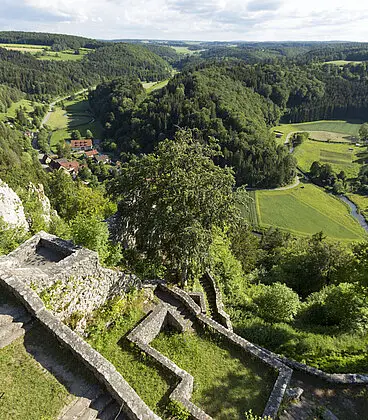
[47, 79]
[213, 104]
[57, 42]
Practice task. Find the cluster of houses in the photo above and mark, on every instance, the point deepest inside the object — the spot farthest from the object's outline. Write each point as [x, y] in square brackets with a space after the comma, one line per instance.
[72, 167]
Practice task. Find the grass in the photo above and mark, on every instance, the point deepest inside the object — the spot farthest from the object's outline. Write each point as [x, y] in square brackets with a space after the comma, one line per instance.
[47, 53]
[343, 62]
[63, 56]
[76, 116]
[183, 50]
[25, 47]
[338, 155]
[349, 128]
[306, 210]
[227, 382]
[30, 392]
[147, 378]
[152, 86]
[249, 211]
[329, 136]
[11, 113]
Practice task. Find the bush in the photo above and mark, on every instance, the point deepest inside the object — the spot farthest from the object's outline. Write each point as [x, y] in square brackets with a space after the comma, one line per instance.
[277, 303]
[344, 306]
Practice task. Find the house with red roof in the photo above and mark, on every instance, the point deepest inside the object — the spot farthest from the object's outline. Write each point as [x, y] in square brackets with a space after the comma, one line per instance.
[80, 145]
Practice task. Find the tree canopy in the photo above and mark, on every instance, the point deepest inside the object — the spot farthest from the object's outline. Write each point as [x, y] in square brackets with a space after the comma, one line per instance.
[170, 202]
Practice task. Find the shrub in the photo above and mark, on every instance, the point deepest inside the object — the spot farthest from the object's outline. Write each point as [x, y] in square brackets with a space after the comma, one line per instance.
[277, 303]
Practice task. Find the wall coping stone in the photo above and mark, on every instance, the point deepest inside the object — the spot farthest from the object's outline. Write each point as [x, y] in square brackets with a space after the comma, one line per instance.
[104, 371]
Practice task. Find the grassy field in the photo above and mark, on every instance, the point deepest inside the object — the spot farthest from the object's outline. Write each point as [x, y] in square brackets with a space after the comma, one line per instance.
[227, 383]
[25, 103]
[63, 56]
[145, 376]
[343, 62]
[75, 116]
[47, 53]
[183, 50]
[306, 210]
[338, 155]
[25, 48]
[249, 211]
[152, 86]
[349, 128]
[329, 136]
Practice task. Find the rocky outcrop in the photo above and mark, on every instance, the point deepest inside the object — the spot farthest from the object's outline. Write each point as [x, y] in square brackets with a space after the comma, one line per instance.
[39, 193]
[11, 208]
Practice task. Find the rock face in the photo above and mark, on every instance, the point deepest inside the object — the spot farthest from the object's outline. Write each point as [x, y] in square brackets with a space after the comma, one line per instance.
[11, 208]
[38, 191]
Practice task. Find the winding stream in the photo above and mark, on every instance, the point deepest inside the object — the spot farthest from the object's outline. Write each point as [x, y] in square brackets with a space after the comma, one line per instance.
[354, 212]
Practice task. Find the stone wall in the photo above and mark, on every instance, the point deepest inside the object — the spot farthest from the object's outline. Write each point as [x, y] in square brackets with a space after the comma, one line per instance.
[69, 278]
[132, 406]
[209, 284]
[268, 358]
[144, 333]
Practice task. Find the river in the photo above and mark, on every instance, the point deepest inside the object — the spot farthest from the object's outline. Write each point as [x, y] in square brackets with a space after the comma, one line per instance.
[354, 211]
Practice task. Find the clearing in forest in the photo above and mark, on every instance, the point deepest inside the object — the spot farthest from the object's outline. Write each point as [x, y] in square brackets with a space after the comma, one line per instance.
[342, 157]
[44, 52]
[76, 115]
[338, 129]
[12, 110]
[306, 210]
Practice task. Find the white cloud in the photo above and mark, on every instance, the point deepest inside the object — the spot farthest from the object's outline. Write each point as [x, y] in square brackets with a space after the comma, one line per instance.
[254, 20]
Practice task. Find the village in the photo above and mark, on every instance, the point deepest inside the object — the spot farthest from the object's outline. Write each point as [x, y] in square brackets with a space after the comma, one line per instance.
[82, 151]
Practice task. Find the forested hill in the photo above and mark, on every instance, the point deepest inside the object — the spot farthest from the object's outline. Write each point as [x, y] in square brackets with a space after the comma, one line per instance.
[57, 42]
[47, 79]
[309, 92]
[127, 60]
[215, 104]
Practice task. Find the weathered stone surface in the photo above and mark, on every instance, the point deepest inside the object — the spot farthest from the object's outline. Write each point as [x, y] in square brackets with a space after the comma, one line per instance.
[11, 208]
[294, 393]
[103, 370]
[70, 277]
[217, 307]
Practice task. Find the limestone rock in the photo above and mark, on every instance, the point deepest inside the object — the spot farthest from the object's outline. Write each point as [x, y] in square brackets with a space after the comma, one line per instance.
[44, 201]
[11, 208]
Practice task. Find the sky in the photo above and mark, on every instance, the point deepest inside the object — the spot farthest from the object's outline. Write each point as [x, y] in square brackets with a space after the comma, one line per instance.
[203, 20]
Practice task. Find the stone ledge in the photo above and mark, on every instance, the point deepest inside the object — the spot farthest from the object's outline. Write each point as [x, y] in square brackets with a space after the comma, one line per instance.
[103, 370]
[224, 317]
[268, 358]
[144, 333]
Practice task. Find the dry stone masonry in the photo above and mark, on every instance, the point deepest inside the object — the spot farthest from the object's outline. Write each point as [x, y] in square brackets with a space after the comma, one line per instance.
[71, 281]
[68, 278]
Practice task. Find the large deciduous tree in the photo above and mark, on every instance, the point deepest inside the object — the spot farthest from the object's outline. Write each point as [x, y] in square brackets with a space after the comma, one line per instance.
[170, 202]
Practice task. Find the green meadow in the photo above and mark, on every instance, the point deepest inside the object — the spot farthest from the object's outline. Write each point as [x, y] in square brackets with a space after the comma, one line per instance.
[306, 210]
[342, 157]
[348, 128]
[44, 52]
[227, 386]
[76, 116]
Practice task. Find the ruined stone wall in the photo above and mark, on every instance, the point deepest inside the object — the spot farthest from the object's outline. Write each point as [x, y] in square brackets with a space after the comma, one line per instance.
[132, 405]
[69, 279]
